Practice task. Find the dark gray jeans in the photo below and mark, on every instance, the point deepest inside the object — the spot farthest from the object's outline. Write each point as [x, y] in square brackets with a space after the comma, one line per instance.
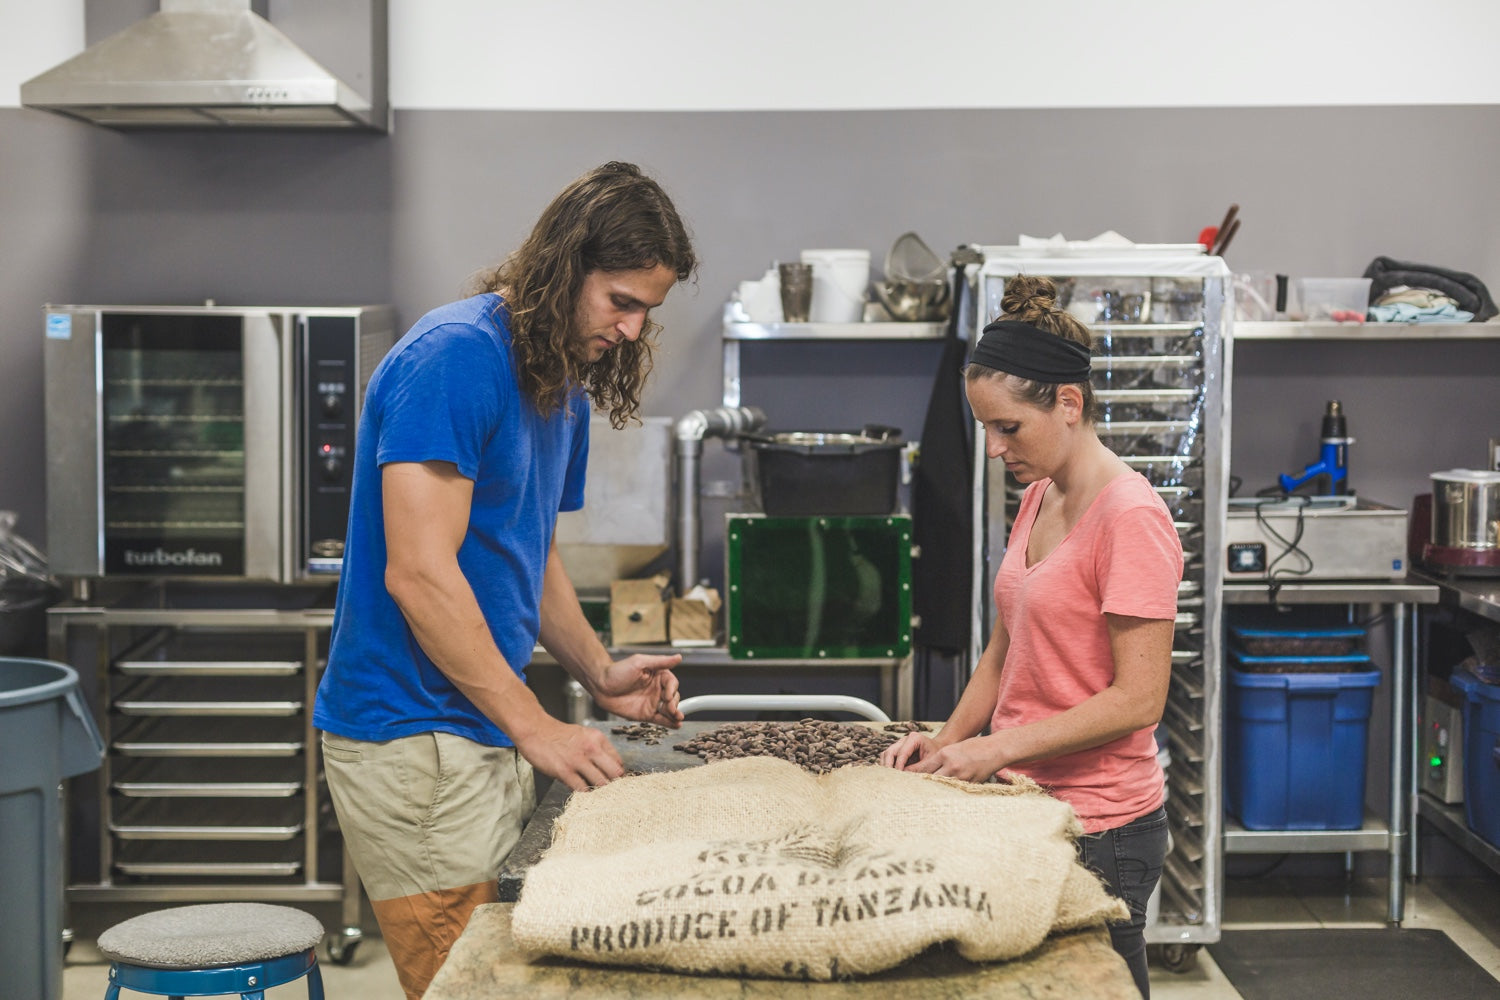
[1129, 859]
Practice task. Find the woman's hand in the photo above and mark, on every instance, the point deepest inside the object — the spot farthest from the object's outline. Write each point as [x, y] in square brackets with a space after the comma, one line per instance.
[908, 749]
[641, 687]
[971, 760]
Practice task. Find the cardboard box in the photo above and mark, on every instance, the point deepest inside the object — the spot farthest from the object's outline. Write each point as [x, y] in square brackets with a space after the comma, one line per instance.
[691, 620]
[638, 611]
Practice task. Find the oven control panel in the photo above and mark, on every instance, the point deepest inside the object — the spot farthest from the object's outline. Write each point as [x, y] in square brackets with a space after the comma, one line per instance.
[328, 407]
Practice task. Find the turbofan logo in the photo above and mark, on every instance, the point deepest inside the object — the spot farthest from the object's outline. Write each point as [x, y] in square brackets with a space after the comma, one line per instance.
[161, 557]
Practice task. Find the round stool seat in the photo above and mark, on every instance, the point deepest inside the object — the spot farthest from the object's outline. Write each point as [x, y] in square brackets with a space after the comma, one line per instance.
[200, 937]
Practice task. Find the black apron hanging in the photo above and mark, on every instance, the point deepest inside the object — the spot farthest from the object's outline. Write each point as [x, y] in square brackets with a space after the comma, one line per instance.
[942, 501]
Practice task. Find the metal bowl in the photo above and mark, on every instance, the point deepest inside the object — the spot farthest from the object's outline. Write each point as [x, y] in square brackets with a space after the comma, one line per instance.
[914, 301]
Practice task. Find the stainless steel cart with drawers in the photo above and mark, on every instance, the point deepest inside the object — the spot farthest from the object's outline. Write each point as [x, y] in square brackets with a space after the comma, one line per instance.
[1160, 318]
[211, 787]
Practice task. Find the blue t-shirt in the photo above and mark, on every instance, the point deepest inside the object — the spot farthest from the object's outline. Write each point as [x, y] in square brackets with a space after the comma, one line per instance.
[448, 392]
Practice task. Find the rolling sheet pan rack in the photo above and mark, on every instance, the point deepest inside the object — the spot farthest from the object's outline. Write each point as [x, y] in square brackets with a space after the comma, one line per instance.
[1162, 388]
[211, 789]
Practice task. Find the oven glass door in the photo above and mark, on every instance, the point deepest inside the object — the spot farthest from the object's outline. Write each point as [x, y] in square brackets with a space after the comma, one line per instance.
[180, 396]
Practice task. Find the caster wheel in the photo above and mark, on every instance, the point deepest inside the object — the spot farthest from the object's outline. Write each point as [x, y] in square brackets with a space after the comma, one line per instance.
[1179, 957]
[342, 946]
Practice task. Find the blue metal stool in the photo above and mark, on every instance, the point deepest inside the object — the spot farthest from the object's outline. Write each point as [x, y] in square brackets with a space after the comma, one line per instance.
[215, 949]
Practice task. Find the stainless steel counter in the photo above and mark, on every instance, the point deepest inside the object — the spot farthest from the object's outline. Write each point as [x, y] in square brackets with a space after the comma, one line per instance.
[1479, 595]
[1413, 590]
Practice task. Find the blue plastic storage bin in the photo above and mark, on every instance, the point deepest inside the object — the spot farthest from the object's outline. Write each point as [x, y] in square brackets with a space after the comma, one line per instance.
[1481, 754]
[1294, 749]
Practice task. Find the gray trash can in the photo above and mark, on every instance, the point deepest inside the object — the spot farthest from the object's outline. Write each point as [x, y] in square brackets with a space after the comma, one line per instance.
[46, 735]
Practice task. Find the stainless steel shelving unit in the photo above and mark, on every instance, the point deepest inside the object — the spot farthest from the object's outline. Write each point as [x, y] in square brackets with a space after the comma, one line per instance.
[736, 332]
[1163, 387]
[1284, 330]
[897, 680]
[211, 785]
[1390, 832]
[1481, 598]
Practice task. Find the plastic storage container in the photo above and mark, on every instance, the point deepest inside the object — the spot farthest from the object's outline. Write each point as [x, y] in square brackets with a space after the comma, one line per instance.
[1294, 749]
[46, 735]
[1481, 754]
[1344, 300]
[1350, 663]
[1297, 642]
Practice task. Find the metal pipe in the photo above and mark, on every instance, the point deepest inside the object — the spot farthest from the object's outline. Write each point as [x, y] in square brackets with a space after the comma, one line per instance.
[688, 434]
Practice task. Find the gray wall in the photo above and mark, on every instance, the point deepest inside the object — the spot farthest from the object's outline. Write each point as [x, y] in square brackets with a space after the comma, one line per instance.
[90, 215]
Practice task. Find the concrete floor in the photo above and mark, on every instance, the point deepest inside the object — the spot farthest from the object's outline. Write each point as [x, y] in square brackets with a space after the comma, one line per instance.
[1465, 909]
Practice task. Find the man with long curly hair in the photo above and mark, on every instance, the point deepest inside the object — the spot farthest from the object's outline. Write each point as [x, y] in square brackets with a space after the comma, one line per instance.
[474, 435]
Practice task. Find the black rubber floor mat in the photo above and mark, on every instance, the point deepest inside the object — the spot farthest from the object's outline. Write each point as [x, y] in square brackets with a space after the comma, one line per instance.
[1359, 964]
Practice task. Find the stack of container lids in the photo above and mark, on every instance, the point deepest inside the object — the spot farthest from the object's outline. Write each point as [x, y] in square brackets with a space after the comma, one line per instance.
[1299, 651]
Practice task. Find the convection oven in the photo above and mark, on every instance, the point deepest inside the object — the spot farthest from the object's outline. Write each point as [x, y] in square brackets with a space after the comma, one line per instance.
[204, 441]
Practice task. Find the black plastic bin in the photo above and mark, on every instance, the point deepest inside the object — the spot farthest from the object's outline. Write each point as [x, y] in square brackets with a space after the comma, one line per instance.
[801, 473]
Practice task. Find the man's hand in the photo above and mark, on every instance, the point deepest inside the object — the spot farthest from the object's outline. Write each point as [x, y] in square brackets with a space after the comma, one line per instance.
[579, 757]
[641, 687]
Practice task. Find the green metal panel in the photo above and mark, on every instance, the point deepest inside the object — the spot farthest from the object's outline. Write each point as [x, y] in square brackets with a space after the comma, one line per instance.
[819, 587]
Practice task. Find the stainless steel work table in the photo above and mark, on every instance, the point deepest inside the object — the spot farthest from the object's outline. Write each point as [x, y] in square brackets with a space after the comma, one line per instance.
[1402, 597]
[897, 676]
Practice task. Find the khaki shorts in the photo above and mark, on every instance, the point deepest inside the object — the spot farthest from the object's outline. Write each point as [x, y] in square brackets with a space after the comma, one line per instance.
[427, 813]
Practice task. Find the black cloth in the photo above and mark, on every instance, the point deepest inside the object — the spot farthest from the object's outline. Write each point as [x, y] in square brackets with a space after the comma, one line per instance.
[1463, 288]
[1022, 350]
[942, 503]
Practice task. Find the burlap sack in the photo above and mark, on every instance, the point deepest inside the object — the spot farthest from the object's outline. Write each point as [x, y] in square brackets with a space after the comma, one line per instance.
[756, 867]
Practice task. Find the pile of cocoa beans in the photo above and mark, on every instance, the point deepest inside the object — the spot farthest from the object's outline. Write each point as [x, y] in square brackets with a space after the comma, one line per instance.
[812, 744]
[649, 732]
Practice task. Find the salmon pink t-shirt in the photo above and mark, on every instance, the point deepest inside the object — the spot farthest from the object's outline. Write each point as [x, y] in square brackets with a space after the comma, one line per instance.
[1123, 557]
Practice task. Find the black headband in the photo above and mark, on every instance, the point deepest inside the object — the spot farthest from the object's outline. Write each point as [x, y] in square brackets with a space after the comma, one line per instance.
[1022, 350]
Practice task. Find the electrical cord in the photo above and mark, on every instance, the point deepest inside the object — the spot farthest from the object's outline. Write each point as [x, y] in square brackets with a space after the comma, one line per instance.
[1291, 546]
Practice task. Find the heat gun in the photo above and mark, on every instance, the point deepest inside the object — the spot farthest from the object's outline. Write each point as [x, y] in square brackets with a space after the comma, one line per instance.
[1332, 468]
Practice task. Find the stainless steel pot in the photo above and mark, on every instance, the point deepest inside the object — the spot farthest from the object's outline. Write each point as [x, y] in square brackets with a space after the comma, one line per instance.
[1466, 509]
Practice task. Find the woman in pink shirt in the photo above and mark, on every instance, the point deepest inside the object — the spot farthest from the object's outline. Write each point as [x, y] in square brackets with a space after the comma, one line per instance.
[1074, 679]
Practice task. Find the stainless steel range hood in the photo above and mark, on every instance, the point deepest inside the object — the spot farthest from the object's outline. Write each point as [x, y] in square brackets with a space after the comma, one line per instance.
[217, 63]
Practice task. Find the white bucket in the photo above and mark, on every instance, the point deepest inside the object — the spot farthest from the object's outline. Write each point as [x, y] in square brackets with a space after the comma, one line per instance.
[840, 278]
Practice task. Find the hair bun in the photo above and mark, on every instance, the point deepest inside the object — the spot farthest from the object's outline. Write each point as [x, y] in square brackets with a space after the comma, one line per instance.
[1028, 296]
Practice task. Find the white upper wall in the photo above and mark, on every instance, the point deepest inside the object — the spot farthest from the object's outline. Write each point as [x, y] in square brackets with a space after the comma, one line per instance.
[33, 37]
[703, 55]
